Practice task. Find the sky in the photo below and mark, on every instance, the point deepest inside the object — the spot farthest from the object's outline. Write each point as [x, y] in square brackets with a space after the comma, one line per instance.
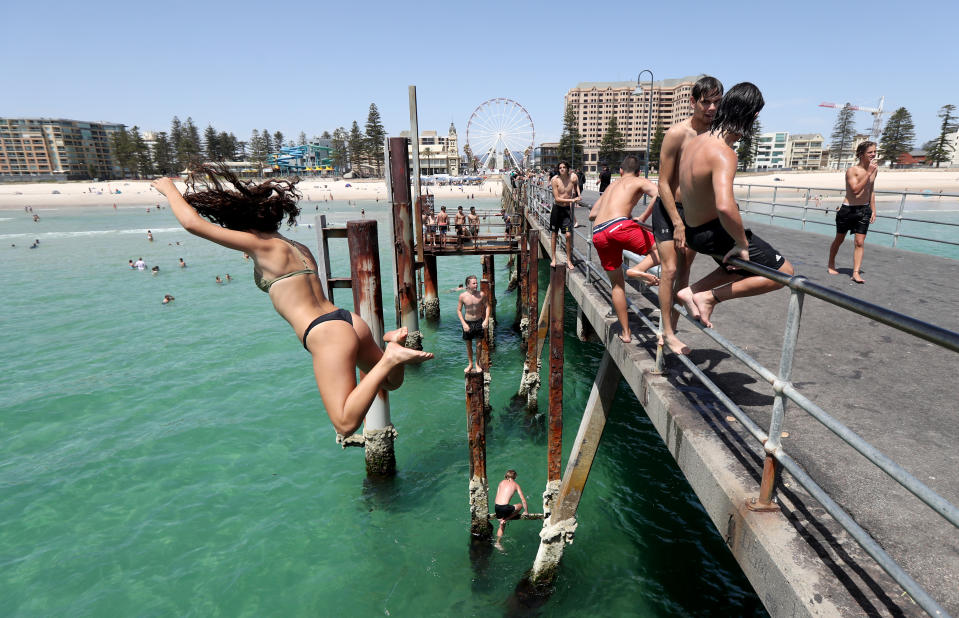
[314, 66]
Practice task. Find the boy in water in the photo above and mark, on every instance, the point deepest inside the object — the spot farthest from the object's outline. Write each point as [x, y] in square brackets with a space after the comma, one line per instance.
[713, 223]
[473, 310]
[858, 208]
[503, 509]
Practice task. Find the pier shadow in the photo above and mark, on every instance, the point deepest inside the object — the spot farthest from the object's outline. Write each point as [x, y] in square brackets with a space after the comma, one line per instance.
[481, 554]
[527, 598]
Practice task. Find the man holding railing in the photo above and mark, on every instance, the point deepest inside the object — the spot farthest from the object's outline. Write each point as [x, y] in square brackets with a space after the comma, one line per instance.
[858, 208]
[565, 187]
[713, 223]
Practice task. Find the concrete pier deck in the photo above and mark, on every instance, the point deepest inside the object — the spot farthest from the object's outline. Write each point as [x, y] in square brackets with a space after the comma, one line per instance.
[898, 392]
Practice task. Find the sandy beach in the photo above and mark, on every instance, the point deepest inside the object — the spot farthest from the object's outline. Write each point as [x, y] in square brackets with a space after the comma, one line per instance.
[15, 196]
[917, 180]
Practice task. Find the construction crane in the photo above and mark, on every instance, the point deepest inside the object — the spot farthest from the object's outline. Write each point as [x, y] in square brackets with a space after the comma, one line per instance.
[875, 111]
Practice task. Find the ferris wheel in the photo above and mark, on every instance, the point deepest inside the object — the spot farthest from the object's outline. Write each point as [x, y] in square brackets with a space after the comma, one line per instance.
[500, 132]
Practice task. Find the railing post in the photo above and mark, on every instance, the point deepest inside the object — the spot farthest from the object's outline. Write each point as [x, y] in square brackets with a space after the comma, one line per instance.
[902, 206]
[378, 431]
[480, 527]
[805, 207]
[772, 209]
[403, 257]
[773, 441]
[323, 257]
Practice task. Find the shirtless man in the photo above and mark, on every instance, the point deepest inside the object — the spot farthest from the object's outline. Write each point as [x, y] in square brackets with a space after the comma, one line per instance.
[713, 223]
[473, 221]
[442, 224]
[460, 221]
[858, 208]
[473, 310]
[565, 195]
[617, 231]
[668, 227]
[503, 509]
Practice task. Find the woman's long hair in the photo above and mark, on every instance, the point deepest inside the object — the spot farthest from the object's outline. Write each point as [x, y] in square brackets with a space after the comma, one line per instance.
[247, 205]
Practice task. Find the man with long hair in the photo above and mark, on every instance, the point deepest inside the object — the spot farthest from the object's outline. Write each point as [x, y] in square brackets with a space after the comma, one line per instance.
[858, 208]
[713, 223]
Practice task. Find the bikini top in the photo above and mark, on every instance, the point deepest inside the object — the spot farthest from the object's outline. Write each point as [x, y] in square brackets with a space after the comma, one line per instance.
[264, 284]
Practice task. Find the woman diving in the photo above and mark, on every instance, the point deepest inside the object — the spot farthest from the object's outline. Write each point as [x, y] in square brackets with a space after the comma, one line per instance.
[246, 216]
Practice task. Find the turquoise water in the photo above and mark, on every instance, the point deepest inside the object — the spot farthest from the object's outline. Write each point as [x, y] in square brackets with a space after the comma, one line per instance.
[176, 460]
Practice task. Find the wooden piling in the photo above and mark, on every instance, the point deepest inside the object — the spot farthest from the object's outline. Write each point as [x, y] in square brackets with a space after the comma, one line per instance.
[521, 292]
[403, 257]
[378, 431]
[431, 300]
[555, 431]
[489, 286]
[560, 526]
[530, 382]
[480, 527]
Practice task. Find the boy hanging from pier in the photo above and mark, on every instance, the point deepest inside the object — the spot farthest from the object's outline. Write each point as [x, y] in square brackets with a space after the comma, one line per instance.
[475, 320]
[618, 231]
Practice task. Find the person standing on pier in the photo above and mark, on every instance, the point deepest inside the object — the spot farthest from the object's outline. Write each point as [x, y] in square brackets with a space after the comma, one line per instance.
[565, 195]
[617, 231]
[713, 223]
[858, 208]
[503, 509]
[246, 216]
[460, 221]
[473, 222]
[473, 310]
[604, 179]
[442, 225]
[668, 226]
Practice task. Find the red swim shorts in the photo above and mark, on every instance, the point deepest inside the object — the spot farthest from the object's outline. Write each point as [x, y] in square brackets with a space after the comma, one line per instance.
[617, 235]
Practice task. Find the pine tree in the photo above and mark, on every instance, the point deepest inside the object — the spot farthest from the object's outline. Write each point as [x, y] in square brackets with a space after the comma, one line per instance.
[176, 138]
[340, 152]
[357, 143]
[301, 140]
[749, 146]
[211, 140]
[267, 142]
[570, 141]
[326, 135]
[163, 156]
[843, 133]
[941, 150]
[258, 151]
[375, 134]
[123, 151]
[192, 146]
[899, 135]
[657, 146]
[277, 140]
[142, 163]
[613, 144]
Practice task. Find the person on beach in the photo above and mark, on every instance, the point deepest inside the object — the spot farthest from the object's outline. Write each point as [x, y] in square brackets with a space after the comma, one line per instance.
[858, 208]
[149, 234]
[617, 231]
[132, 265]
[668, 226]
[218, 280]
[155, 271]
[502, 508]
[565, 195]
[442, 224]
[713, 223]
[246, 216]
[140, 264]
[182, 263]
[167, 299]
[473, 310]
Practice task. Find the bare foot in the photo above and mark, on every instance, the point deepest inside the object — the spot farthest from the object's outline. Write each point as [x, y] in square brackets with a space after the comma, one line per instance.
[706, 302]
[857, 278]
[625, 337]
[398, 355]
[569, 266]
[468, 368]
[685, 296]
[397, 336]
[832, 270]
[649, 278]
[553, 264]
[675, 345]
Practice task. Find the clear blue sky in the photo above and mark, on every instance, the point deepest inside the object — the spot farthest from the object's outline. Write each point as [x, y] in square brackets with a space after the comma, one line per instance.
[314, 66]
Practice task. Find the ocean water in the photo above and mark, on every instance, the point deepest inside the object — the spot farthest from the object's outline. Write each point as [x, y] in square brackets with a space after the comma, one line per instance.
[177, 461]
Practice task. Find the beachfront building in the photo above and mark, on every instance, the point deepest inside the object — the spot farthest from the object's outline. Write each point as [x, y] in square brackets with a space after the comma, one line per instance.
[771, 151]
[952, 143]
[57, 149]
[438, 154]
[804, 151]
[594, 103]
[546, 156]
[848, 158]
[314, 158]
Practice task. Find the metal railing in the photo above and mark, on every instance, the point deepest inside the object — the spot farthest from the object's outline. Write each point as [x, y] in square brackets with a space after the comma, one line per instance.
[797, 203]
[538, 202]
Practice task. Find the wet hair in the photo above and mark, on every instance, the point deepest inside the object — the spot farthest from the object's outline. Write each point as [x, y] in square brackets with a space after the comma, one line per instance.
[737, 111]
[566, 163]
[630, 164]
[467, 282]
[218, 195]
[705, 86]
[510, 474]
[863, 147]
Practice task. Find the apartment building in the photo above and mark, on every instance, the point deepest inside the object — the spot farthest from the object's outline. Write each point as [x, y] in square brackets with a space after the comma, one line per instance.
[439, 154]
[771, 151]
[594, 103]
[804, 151]
[54, 149]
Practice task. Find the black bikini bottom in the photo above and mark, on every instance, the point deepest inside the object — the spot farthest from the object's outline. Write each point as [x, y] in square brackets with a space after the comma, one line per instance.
[339, 314]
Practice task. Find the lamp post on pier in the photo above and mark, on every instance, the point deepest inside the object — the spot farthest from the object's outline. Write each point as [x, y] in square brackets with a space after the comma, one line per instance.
[649, 115]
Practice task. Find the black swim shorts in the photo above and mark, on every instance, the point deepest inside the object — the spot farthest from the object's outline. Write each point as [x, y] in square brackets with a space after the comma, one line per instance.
[853, 219]
[475, 330]
[560, 218]
[504, 511]
[712, 239]
[662, 225]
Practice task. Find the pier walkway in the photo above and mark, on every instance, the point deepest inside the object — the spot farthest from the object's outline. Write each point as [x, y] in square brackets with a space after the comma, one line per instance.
[896, 391]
